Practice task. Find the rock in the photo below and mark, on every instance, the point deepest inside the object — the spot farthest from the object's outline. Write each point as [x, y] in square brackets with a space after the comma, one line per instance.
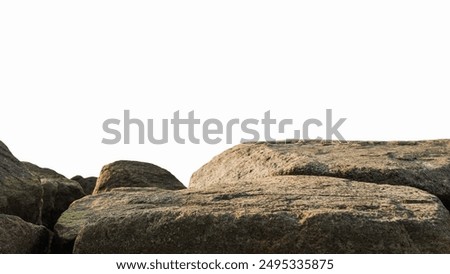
[20, 237]
[88, 184]
[135, 174]
[423, 164]
[20, 191]
[283, 214]
[59, 193]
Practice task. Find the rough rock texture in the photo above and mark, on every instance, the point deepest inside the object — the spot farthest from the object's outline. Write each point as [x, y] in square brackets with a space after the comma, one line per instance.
[88, 184]
[135, 174]
[59, 193]
[284, 214]
[20, 191]
[422, 164]
[20, 237]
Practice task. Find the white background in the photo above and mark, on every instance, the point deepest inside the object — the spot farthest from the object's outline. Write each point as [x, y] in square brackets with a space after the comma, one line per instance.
[66, 66]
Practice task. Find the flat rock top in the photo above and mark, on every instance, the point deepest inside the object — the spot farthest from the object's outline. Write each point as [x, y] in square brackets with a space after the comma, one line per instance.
[421, 164]
[281, 193]
[291, 204]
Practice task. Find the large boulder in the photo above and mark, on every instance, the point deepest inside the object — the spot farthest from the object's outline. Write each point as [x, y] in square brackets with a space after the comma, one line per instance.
[284, 214]
[59, 193]
[424, 164]
[20, 237]
[88, 184]
[20, 191]
[135, 174]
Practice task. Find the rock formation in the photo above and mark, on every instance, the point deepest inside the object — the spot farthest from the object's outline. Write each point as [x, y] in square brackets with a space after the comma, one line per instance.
[295, 197]
[88, 184]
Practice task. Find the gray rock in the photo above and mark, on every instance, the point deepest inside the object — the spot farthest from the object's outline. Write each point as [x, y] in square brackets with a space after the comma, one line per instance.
[88, 184]
[284, 214]
[20, 237]
[59, 193]
[20, 191]
[135, 174]
[423, 164]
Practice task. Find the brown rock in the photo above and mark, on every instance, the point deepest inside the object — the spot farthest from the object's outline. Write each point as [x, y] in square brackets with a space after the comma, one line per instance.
[135, 174]
[423, 164]
[284, 214]
[88, 184]
[20, 237]
[59, 193]
[20, 191]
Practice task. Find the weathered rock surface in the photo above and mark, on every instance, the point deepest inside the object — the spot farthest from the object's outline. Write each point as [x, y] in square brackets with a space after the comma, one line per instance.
[20, 191]
[88, 184]
[20, 237]
[59, 193]
[284, 214]
[423, 164]
[135, 174]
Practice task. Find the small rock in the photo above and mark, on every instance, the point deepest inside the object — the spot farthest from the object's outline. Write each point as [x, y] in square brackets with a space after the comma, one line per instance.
[88, 184]
[135, 174]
